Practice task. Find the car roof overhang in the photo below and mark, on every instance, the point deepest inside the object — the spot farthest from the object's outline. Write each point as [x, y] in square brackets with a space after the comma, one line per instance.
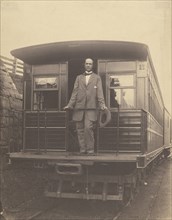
[65, 51]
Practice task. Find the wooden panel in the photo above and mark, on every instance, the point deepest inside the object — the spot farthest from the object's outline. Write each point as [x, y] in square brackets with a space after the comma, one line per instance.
[27, 94]
[167, 128]
[45, 119]
[154, 134]
[127, 119]
[45, 138]
[45, 69]
[45, 130]
[141, 93]
[64, 90]
[127, 138]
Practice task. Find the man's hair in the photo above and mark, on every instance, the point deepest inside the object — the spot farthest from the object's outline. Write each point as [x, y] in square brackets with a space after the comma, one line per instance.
[89, 59]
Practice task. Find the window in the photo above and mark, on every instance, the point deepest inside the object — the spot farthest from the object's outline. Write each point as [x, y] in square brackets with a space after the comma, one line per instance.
[121, 88]
[49, 85]
[46, 93]
[118, 80]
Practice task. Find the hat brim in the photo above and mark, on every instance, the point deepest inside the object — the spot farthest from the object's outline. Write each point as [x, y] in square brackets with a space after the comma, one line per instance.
[105, 117]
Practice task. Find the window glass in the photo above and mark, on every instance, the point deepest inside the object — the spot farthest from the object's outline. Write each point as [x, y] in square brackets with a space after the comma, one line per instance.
[46, 100]
[127, 98]
[121, 80]
[46, 69]
[45, 83]
[122, 97]
[46, 95]
[120, 66]
[115, 98]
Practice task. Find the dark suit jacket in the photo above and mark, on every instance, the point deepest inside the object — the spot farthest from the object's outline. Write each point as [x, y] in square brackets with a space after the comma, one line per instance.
[88, 96]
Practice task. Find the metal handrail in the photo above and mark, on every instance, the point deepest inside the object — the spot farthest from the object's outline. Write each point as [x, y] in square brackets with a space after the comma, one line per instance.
[38, 139]
[68, 109]
[45, 127]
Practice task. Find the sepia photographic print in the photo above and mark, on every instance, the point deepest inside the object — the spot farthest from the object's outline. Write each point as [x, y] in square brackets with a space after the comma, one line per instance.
[85, 110]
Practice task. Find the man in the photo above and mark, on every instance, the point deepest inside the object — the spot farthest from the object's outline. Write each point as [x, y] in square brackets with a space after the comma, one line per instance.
[87, 97]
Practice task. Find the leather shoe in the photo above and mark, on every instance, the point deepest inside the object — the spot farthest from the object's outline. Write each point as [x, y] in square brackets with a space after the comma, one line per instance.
[82, 152]
[90, 153]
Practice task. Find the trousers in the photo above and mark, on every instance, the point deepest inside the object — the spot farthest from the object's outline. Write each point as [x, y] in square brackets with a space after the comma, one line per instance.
[85, 134]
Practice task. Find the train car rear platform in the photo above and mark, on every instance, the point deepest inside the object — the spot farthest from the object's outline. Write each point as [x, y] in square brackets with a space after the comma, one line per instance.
[51, 157]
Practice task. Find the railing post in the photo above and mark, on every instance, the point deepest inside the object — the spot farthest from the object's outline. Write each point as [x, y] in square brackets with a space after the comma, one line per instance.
[38, 138]
[24, 130]
[97, 132]
[143, 131]
[117, 131]
[67, 130]
[45, 123]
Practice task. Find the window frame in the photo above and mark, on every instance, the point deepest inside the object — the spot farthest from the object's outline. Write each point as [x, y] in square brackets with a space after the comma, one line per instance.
[58, 70]
[58, 89]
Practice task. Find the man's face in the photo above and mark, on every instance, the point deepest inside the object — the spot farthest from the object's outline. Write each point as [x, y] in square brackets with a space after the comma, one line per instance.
[88, 64]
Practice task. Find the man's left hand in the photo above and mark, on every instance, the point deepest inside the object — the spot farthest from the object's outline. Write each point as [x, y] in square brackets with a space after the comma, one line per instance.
[103, 108]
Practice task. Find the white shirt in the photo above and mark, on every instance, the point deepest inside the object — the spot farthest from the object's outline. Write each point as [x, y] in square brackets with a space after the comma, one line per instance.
[87, 77]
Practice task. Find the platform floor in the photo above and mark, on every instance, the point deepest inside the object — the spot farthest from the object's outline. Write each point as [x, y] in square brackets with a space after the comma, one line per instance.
[74, 156]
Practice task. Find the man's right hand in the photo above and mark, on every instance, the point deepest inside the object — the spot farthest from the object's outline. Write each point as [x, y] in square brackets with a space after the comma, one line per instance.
[103, 108]
[66, 107]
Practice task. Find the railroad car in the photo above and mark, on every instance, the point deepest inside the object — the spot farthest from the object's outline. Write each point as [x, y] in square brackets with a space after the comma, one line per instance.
[137, 135]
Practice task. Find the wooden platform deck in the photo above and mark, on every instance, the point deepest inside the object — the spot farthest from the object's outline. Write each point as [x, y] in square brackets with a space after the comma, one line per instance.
[68, 156]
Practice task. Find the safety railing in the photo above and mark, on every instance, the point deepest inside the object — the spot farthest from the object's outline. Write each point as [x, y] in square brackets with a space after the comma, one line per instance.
[44, 130]
[40, 126]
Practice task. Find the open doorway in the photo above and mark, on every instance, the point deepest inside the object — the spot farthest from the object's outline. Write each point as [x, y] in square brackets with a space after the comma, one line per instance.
[75, 68]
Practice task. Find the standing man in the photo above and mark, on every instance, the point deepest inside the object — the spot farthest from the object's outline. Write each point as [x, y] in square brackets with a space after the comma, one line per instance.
[87, 97]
